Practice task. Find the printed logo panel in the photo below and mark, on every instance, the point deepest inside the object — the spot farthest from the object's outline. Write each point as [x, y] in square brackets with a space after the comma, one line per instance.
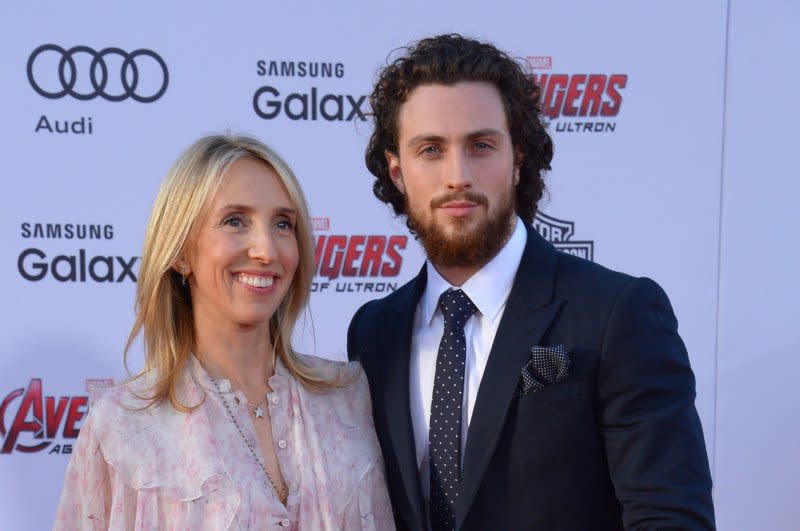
[84, 74]
[578, 102]
[38, 261]
[314, 103]
[559, 233]
[32, 422]
[354, 263]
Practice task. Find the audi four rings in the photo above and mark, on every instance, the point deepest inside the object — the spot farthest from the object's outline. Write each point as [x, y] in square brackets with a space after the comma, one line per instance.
[98, 73]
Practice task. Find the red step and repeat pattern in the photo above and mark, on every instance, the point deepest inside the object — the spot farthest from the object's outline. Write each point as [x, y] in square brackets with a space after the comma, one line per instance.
[98, 100]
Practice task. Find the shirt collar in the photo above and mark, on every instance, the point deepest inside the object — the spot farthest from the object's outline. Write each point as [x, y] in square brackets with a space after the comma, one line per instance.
[489, 287]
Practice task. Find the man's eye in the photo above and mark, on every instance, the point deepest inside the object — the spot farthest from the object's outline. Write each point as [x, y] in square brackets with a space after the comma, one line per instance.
[483, 146]
[430, 150]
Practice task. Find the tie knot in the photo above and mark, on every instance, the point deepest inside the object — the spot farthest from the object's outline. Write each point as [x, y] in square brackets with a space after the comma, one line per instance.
[456, 308]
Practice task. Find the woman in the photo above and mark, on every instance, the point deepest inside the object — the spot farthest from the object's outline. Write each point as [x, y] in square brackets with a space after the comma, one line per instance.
[227, 427]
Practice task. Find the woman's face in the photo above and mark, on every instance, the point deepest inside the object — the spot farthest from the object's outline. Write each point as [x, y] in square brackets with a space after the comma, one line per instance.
[244, 254]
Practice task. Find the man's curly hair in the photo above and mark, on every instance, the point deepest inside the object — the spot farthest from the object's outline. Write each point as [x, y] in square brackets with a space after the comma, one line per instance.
[449, 59]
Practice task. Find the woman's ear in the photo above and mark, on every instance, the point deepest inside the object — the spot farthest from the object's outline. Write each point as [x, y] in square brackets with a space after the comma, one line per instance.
[181, 266]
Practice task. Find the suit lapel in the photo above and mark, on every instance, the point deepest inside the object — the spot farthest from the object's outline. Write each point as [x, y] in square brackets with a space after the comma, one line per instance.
[395, 342]
[529, 311]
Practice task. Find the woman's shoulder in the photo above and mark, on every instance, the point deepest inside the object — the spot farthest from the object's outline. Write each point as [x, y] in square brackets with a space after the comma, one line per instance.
[130, 395]
[345, 373]
[347, 378]
[130, 407]
[147, 441]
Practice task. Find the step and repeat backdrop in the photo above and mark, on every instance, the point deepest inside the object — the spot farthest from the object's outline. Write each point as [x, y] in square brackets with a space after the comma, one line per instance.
[98, 99]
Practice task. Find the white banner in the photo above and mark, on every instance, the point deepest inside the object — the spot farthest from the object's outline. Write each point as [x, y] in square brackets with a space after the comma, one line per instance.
[99, 100]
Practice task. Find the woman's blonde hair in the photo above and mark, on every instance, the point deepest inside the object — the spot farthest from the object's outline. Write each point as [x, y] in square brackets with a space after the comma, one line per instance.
[163, 303]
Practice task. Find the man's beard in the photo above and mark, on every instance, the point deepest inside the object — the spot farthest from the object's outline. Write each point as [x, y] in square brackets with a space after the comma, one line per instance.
[464, 249]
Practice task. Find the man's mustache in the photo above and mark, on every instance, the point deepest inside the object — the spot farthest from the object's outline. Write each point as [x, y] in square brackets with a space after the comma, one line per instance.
[473, 197]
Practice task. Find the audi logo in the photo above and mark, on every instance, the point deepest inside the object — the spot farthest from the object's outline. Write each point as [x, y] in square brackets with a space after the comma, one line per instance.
[98, 73]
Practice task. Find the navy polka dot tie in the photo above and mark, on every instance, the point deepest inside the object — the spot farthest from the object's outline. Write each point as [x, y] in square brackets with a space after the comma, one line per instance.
[445, 427]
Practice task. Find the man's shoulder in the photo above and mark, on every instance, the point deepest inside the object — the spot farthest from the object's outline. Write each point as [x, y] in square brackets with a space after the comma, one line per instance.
[376, 317]
[569, 274]
[578, 279]
[575, 269]
[401, 297]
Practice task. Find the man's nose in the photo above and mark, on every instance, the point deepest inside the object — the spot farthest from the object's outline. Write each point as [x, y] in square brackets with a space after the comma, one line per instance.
[458, 172]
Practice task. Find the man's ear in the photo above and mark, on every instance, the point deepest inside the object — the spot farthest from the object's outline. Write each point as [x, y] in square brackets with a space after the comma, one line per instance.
[393, 162]
[517, 164]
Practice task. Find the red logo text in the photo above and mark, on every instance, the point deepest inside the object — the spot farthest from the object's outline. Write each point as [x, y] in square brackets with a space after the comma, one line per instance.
[572, 95]
[38, 418]
[359, 255]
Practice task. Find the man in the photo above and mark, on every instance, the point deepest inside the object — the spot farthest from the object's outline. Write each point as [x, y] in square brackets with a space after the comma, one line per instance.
[513, 387]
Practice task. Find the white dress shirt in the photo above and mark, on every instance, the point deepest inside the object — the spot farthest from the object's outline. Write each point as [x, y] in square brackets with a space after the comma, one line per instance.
[488, 289]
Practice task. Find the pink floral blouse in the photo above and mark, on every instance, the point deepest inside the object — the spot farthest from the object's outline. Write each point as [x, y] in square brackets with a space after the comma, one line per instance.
[159, 468]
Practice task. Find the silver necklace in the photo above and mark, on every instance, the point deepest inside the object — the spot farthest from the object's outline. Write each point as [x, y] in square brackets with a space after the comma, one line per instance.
[282, 493]
[257, 410]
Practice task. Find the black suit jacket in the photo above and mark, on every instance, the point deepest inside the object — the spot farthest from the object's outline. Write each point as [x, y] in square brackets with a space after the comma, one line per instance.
[617, 444]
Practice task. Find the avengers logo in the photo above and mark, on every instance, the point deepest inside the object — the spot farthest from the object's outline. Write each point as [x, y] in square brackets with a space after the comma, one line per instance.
[37, 419]
[84, 73]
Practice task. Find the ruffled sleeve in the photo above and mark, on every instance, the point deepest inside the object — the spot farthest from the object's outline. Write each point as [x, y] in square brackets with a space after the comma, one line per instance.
[374, 507]
[149, 468]
[86, 498]
[370, 508]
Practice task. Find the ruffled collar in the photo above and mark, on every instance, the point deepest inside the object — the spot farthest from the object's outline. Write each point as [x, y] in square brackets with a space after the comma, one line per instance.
[277, 382]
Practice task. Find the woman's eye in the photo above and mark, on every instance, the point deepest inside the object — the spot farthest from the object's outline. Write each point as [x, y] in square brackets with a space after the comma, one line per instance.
[285, 224]
[233, 221]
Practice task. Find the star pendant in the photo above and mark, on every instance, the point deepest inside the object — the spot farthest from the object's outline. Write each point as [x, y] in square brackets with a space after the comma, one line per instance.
[258, 412]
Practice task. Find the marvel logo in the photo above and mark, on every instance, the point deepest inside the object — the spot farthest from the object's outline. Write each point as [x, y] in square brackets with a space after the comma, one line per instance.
[98, 383]
[539, 62]
[320, 224]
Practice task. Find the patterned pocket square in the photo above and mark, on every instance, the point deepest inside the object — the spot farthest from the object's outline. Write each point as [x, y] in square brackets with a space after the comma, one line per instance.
[548, 365]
